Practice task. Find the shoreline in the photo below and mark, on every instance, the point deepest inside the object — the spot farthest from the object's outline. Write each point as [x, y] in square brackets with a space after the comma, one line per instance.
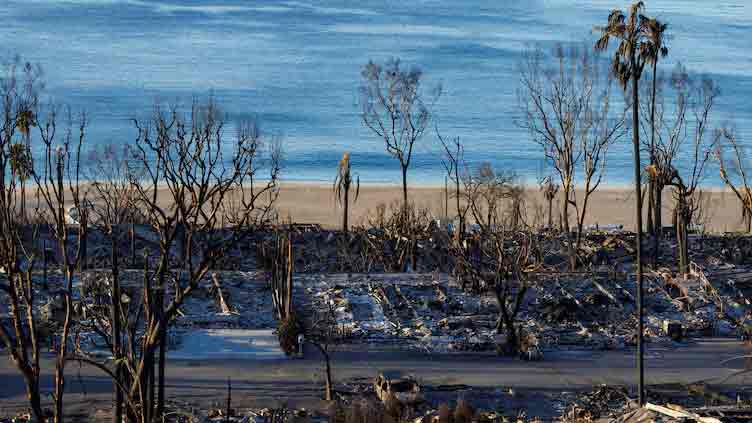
[440, 185]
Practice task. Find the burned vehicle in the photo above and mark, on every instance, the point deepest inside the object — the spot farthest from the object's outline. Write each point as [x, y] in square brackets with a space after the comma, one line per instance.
[392, 383]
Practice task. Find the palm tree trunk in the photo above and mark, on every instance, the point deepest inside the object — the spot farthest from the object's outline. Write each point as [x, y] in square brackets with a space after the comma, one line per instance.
[652, 117]
[347, 199]
[23, 201]
[638, 227]
[655, 191]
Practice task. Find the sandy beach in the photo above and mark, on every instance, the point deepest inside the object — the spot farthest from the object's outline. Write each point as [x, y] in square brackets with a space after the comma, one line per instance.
[315, 203]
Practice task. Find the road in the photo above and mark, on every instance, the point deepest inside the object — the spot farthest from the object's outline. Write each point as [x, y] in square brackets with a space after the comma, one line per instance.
[296, 382]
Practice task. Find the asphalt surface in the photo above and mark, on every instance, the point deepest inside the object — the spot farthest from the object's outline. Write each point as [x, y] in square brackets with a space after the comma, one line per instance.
[298, 381]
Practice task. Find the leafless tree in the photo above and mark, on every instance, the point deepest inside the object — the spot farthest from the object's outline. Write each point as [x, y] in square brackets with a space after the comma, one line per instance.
[113, 199]
[734, 170]
[501, 260]
[453, 161]
[19, 89]
[324, 333]
[567, 110]
[515, 255]
[484, 191]
[684, 127]
[185, 178]
[57, 177]
[393, 106]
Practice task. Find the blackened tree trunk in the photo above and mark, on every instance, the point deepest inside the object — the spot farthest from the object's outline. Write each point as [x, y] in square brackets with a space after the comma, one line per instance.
[35, 401]
[565, 212]
[161, 361]
[655, 188]
[404, 188]
[83, 262]
[657, 221]
[682, 223]
[329, 394]
[460, 215]
[638, 222]
[550, 213]
[117, 416]
[346, 211]
[649, 227]
[508, 310]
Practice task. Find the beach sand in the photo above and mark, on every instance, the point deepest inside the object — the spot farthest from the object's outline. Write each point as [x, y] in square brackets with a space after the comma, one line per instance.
[315, 203]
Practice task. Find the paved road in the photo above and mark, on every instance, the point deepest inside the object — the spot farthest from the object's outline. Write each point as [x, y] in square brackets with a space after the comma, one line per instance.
[257, 383]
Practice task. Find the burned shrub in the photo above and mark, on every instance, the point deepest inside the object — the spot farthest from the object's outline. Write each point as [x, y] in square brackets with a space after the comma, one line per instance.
[360, 412]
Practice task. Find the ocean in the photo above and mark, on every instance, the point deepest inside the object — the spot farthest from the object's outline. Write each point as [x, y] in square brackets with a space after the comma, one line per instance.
[296, 67]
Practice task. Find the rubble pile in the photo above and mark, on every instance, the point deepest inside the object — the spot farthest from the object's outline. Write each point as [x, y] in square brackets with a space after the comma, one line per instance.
[603, 402]
[415, 309]
[667, 403]
[431, 312]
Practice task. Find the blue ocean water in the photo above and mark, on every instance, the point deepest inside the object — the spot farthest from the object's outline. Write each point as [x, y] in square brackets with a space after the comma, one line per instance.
[296, 66]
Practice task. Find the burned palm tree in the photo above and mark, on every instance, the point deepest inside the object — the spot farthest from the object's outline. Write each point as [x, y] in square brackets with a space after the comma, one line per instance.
[342, 184]
[20, 156]
[656, 49]
[631, 32]
[20, 167]
[549, 189]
